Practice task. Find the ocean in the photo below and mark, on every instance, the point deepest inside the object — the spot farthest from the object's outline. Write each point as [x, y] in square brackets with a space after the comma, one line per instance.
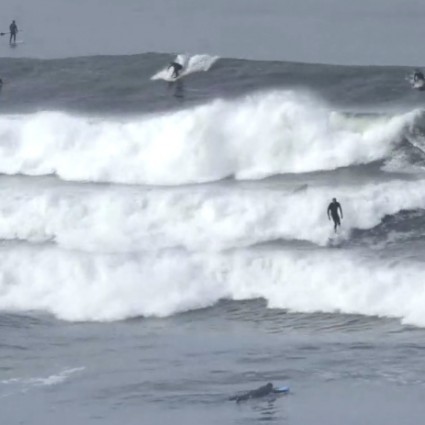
[166, 245]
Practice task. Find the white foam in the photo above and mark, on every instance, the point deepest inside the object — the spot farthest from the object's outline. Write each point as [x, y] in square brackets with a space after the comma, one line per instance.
[48, 381]
[78, 287]
[207, 218]
[249, 138]
[191, 64]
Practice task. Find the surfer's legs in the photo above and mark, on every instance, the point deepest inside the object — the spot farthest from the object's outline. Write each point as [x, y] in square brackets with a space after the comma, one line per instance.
[336, 221]
[12, 38]
[177, 68]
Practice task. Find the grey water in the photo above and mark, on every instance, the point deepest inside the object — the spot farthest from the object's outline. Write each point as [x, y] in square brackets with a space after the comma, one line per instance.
[341, 369]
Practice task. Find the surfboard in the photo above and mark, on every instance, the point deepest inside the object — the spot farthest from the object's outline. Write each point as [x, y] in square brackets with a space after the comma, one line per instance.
[281, 390]
[171, 79]
[16, 43]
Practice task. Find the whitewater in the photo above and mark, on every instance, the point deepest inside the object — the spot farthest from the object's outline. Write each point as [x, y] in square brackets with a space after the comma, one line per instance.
[202, 196]
[253, 137]
[165, 245]
[120, 287]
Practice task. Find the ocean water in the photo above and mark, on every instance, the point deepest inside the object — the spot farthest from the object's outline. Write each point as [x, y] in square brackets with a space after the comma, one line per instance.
[166, 245]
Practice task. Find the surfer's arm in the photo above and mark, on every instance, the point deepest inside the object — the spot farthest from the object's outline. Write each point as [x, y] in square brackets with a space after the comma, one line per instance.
[340, 209]
[329, 212]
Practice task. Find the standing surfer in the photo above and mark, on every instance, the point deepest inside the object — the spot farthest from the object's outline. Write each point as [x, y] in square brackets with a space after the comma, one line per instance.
[333, 210]
[418, 76]
[13, 31]
[177, 69]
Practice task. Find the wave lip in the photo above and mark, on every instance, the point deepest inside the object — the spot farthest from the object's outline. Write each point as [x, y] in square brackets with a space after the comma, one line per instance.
[250, 138]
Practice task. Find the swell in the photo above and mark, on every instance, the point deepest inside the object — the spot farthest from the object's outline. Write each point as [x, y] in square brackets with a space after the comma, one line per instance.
[117, 84]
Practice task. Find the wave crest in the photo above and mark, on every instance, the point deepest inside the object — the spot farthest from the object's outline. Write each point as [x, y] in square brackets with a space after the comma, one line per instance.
[250, 138]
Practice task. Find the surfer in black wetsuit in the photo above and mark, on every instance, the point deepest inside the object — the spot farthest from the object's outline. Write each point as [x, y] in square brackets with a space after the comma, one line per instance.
[177, 68]
[333, 210]
[13, 31]
[418, 76]
[259, 392]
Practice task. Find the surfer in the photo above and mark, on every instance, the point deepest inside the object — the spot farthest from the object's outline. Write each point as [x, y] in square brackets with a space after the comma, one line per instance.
[418, 76]
[177, 68]
[13, 31]
[262, 391]
[333, 210]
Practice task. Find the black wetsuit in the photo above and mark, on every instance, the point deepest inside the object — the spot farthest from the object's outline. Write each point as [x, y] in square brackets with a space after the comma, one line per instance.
[259, 392]
[13, 31]
[176, 69]
[418, 76]
[333, 210]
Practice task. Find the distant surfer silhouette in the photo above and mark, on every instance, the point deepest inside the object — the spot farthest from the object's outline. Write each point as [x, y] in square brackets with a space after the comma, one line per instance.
[333, 211]
[13, 31]
[177, 69]
[418, 76]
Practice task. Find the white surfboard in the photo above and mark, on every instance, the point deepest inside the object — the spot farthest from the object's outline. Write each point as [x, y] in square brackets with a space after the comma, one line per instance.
[169, 77]
[16, 43]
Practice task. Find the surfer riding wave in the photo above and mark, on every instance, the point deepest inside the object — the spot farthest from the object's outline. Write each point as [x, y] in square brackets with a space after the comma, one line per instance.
[334, 209]
[177, 69]
[183, 65]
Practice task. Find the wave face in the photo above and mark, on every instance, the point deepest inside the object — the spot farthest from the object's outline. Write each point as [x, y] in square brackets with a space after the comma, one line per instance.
[123, 195]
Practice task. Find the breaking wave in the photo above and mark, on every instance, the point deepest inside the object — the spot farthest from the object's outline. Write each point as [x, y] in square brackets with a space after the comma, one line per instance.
[249, 138]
